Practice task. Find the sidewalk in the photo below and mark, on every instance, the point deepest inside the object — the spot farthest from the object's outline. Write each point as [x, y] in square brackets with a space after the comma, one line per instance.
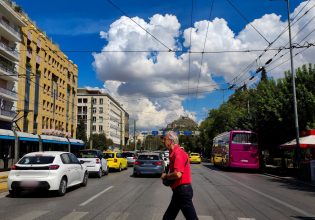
[294, 175]
[3, 181]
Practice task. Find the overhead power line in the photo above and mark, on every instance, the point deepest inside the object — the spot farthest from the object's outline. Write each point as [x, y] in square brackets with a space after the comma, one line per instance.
[243, 16]
[124, 13]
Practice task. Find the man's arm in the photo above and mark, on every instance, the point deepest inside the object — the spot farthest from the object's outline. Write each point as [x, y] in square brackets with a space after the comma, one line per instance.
[172, 176]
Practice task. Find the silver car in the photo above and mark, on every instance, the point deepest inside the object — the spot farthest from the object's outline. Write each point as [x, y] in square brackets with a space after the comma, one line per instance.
[148, 163]
[130, 156]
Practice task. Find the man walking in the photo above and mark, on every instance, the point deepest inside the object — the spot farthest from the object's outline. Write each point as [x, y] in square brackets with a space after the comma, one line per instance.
[180, 180]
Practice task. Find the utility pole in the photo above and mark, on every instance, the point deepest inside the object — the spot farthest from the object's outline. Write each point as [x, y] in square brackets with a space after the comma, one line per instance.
[91, 124]
[134, 133]
[297, 149]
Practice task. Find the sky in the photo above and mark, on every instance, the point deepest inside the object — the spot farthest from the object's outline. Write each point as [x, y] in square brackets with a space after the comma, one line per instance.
[165, 59]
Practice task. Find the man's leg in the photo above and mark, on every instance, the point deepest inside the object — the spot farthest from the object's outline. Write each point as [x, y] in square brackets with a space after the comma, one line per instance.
[172, 209]
[186, 204]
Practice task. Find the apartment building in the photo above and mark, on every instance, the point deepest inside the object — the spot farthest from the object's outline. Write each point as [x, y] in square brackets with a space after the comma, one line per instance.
[10, 37]
[47, 92]
[103, 114]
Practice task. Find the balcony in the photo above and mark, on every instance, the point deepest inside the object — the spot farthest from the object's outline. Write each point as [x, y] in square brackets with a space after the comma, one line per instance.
[13, 33]
[8, 94]
[8, 72]
[7, 115]
[9, 52]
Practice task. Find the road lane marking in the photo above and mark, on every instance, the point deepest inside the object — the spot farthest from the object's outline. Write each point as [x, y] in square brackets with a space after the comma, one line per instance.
[269, 197]
[74, 216]
[94, 197]
[32, 215]
[117, 215]
[204, 217]
[239, 218]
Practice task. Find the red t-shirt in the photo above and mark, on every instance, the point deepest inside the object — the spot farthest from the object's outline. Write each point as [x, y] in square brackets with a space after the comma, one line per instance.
[178, 159]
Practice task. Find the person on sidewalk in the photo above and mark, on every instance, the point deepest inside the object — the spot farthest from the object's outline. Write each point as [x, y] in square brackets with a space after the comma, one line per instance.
[179, 179]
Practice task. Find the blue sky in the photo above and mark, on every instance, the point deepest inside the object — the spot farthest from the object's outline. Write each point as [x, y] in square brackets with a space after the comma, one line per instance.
[76, 25]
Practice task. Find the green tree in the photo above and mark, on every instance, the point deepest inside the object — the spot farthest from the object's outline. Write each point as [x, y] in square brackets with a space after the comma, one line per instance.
[81, 132]
[99, 141]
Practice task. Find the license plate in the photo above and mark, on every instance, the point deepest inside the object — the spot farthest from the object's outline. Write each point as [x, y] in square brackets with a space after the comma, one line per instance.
[244, 161]
[29, 184]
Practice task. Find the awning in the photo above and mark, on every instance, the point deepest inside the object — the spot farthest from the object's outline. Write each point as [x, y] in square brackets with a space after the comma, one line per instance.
[27, 137]
[305, 142]
[54, 139]
[76, 142]
[6, 134]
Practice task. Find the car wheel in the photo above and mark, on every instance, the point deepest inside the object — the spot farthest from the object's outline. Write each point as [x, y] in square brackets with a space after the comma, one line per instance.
[62, 187]
[14, 193]
[106, 172]
[120, 168]
[100, 173]
[85, 179]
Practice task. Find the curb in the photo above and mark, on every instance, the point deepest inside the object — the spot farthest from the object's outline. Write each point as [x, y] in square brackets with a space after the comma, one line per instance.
[290, 180]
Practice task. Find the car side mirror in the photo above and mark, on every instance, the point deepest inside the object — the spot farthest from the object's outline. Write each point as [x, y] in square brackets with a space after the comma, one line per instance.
[81, 162]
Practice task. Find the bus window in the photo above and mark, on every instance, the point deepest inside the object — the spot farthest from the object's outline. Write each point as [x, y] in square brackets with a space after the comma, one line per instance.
[244, 138]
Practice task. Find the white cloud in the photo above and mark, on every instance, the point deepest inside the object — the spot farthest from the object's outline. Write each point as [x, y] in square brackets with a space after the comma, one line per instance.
[152, 85]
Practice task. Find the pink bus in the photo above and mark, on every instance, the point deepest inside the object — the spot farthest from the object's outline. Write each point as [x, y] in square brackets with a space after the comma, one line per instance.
[237, 149]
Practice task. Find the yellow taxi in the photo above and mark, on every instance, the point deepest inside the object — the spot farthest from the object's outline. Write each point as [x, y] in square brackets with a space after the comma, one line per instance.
[216, 160]
[115, 160]
[195, 158]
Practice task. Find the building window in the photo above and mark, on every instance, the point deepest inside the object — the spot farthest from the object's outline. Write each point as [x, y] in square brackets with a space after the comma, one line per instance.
[94, 102]
[94, 128]
[101, 110]
[94, 109]
[79, 109]
[101, 119]
[79, 100]
[100, 128]
[94, 119]
[84, 100]
[101, 101]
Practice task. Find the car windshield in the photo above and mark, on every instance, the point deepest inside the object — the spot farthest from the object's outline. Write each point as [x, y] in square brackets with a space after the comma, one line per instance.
[36, 160]
[88, 154]
[194, 154]
[148, 157]
[127, 154]
[109, 155]
[244, 138]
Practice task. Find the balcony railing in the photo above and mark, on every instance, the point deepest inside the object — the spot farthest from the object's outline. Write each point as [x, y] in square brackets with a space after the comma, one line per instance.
[7, 69]
[7, 113]
[9, 49]
[8, 92]
[11, 29]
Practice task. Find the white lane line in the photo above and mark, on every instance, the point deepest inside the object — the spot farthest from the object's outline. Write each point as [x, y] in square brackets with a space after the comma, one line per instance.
[239, 218]
[300, 211]
[32, 215]
[117, 215]
[205, 217]
[74, 216]
[94, 197]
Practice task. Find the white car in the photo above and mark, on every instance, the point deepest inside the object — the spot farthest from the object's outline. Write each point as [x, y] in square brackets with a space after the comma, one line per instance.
[49, 170]
[94, 161]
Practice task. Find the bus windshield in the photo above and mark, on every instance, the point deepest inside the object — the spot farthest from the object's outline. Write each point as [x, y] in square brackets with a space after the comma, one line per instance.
[244, 138]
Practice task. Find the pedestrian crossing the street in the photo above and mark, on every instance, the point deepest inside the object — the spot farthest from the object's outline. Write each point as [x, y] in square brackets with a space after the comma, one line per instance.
[76, 215]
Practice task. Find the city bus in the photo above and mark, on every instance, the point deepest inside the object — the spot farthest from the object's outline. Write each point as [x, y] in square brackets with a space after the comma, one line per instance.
[236, 149]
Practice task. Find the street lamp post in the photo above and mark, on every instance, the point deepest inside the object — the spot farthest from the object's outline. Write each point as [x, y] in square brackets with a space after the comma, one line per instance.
[297, 149]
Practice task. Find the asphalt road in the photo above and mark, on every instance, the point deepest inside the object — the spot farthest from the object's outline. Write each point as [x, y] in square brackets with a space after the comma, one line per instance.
[217, 195]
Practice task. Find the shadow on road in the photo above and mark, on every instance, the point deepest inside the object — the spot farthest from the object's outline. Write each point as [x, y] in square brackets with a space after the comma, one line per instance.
[231, 170]
[43, 193]
[303, 218]
[294, 185]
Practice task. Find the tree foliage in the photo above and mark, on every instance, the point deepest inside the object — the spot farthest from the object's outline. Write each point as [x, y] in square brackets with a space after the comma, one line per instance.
[266, 109]
[81, 132]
